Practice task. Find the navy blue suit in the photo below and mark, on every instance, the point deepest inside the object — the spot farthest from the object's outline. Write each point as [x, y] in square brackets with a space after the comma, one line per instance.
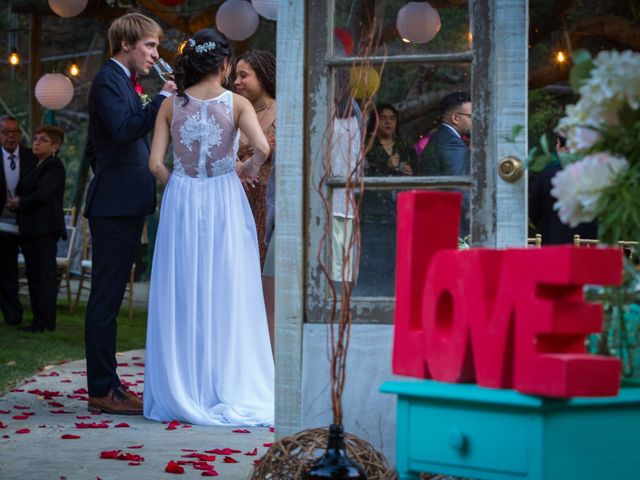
[120, 195]
[446, 154]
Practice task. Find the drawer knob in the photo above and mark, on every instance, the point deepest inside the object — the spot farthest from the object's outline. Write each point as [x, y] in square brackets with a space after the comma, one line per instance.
[457, 439]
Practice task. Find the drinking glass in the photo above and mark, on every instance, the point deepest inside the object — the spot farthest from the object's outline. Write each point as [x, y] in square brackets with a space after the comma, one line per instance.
[164, 70]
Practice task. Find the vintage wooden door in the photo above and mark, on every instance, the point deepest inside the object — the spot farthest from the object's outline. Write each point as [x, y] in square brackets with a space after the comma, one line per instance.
[492, 66]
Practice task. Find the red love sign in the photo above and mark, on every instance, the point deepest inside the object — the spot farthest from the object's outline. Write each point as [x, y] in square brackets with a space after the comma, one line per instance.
[513, 318]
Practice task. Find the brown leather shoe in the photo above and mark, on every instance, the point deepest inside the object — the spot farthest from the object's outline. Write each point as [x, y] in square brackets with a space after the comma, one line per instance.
[116, 402]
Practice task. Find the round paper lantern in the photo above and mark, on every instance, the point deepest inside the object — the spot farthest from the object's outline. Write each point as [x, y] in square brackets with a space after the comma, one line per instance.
[54, 91]
[237, 19]
[363, 82]
[267, 8]
[67, 8]
[418, 22]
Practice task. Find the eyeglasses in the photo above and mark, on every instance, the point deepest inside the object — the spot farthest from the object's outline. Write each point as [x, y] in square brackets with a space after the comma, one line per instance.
[41, 139]
[462, 113]
[10, 132]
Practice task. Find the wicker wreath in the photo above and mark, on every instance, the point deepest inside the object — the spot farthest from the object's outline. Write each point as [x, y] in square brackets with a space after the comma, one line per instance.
[289, 457]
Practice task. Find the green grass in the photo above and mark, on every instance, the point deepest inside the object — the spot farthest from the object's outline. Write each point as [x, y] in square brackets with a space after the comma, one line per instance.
[22, 354]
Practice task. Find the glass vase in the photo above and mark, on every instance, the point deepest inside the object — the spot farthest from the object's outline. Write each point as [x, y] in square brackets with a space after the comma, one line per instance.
[335, 464]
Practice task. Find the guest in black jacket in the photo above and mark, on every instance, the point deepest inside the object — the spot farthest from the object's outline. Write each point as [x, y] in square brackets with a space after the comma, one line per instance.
[40, 219]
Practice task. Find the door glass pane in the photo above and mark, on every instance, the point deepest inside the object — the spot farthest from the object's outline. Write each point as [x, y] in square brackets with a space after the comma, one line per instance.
[355, 18]
[374, 274]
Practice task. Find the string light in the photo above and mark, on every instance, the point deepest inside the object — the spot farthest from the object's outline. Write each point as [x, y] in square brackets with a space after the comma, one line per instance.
[14, 58]
[561, 57]
[74, 70]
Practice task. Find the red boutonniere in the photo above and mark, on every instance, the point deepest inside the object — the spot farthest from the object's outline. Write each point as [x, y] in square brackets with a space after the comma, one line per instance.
[144, 98]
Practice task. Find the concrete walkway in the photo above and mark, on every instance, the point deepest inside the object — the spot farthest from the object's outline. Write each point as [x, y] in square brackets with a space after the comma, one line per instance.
[46, 433]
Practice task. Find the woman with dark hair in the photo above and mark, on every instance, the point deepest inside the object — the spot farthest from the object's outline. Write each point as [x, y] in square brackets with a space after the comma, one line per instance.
[208, 357]
[40, 217]
[256, 81]
[389, 154]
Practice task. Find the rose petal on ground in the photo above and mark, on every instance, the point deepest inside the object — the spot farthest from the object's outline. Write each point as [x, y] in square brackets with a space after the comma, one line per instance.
[81, 391]
[267, 445]
[229, 460]
[20, 417]
[139, 364]
[56, 404]
[65, 381]
[23, 431]
[173, 467]
[68, 436]
[241, 430]
[130, 457]
[223, 451]
[4, 412]
[272, 429]
[134, 464]
[123, 364]
[201, 456]
[122, 425]
[92, 425]
[209, 473]
[256, 462]
[2, 425]
[252, 452]
[110, 454]
[136, 358]
[187, 426]
[173, 424]
[135, 446]
[83, 417]
[21, 407]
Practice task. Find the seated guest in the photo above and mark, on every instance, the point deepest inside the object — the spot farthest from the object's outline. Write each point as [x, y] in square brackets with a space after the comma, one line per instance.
[389, 154]
[40, 218]
[541, 202]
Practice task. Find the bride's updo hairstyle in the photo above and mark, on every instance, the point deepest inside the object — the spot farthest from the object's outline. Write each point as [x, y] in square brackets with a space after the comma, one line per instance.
[203, 54]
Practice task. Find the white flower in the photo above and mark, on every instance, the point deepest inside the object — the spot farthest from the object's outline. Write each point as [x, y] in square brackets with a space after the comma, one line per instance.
[583, 138]
[613, 84]
[578, 186]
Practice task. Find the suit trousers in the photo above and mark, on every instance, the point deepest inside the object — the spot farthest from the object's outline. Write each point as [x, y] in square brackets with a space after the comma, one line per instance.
[40, 262]
[9, 301]
[114, 244]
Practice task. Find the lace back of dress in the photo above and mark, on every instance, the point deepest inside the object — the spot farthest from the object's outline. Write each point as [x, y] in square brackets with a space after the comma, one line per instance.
[205, 139]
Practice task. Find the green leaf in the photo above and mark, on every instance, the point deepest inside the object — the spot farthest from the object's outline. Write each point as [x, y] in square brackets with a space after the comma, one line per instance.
[581, 70]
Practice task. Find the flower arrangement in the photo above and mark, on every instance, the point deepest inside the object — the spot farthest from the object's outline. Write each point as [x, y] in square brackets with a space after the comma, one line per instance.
[601, 178]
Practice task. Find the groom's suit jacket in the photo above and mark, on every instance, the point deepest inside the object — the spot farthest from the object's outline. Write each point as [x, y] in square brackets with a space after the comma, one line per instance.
[118, 147]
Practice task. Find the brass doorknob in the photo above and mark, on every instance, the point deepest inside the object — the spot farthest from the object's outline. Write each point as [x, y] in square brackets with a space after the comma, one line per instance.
[510, 169]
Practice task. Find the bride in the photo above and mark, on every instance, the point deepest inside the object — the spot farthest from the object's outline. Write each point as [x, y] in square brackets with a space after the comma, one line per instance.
[208, 358]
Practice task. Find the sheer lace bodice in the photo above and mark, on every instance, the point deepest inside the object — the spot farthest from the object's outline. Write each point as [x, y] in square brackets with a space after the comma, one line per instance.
[205, 139]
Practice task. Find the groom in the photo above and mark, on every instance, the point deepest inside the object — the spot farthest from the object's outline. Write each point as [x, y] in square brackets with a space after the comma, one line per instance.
[120, 195]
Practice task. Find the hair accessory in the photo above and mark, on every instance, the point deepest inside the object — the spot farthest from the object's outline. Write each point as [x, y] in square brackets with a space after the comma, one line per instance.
[205, 47]
[192, 42]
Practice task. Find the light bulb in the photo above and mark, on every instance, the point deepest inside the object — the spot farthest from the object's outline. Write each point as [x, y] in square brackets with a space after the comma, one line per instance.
[560, 57]
[74, 70]
[14, 58]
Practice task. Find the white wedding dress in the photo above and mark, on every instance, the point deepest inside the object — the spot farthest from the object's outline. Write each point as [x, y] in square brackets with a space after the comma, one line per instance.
[208, 358]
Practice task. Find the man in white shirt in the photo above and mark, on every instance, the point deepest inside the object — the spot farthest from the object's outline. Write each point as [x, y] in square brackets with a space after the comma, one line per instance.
[17, 161]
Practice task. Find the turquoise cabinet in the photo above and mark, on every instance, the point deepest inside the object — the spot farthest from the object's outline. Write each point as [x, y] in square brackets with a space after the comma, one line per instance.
[475, 432]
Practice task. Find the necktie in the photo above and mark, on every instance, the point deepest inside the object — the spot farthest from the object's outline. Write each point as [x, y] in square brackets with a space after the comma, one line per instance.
[12, 161]
[134, 78]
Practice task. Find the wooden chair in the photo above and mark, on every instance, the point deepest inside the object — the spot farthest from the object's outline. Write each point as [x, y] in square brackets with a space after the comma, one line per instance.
[584, 242]
[535, 241]
[70, 216]
[85, 270]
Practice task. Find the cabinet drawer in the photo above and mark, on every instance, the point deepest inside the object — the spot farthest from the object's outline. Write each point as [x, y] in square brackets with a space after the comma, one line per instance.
[496, 440]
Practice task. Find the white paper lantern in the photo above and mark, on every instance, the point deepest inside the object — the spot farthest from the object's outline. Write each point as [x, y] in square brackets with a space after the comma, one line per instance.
[67, 8]
[54, 91]
[267, 8]
[237, 19]
[418, 22]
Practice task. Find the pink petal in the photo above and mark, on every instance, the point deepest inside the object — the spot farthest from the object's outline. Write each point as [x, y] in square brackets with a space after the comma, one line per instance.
[69, 437]
[122, 425]
[229, 460]
[23, 431]
[241, 430]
